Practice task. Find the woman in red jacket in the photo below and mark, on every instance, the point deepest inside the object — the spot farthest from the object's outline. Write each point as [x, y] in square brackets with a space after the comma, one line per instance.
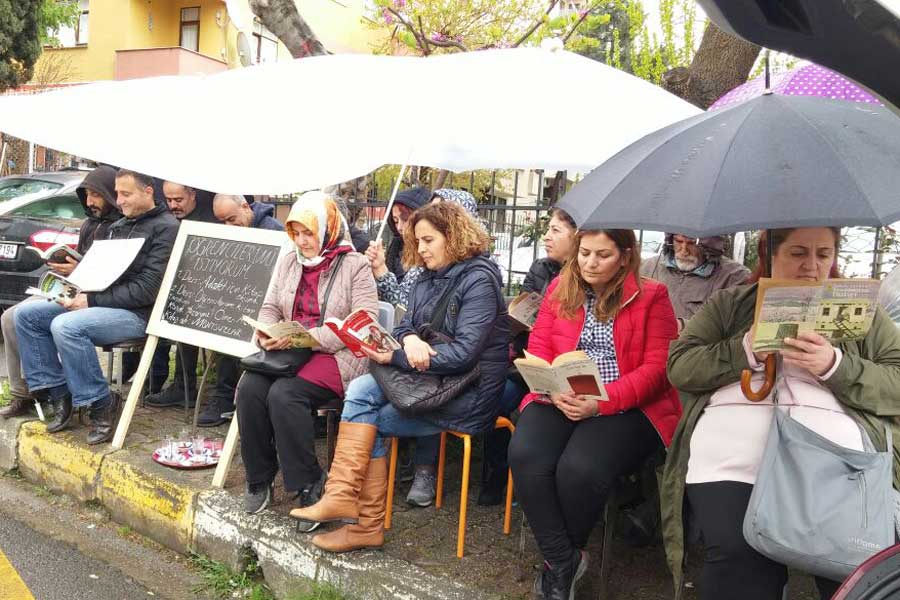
[569, 449]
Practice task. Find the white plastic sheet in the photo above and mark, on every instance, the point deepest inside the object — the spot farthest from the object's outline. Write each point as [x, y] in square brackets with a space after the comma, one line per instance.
[312, 122]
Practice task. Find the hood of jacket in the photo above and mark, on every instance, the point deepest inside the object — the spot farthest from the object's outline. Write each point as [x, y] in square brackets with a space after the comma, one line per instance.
[260, 212]
[101, 180]
[412, 198]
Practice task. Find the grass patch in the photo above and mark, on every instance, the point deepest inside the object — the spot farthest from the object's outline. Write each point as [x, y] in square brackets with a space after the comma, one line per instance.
[319, 591]
[123, 530]
[5, 396]
[43, 491]
[222, 582]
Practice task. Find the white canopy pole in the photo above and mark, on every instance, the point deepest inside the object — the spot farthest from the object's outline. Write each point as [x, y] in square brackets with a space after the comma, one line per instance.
[390, 204]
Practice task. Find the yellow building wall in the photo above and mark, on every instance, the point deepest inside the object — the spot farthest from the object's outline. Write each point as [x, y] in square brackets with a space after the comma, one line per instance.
[131, 24]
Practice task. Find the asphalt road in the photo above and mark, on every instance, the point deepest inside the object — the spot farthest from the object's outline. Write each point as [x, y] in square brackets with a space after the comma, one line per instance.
[55, 570]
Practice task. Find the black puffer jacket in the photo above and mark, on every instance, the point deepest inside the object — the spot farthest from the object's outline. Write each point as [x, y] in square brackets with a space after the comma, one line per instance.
[541, 273]
[137, 288]
[477, 322]
[103, 181]
[412, 198]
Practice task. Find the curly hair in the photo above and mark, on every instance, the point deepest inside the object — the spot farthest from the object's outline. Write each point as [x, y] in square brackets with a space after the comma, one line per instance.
[466, 238]
[571, 290]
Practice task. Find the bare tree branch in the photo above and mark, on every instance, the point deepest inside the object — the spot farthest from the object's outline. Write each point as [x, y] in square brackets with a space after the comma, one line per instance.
[534, 27]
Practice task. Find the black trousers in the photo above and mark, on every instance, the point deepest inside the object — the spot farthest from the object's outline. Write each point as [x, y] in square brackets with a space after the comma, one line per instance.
[159, 368]
[563, 471]
[731, 568]
[275, 416]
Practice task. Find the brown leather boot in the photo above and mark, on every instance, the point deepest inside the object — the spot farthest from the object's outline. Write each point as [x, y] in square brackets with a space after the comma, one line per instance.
[340, 502]
[17, 407]
[369, 532]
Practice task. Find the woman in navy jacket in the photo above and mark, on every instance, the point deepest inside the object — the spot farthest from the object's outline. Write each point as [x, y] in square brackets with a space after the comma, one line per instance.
[452, 247]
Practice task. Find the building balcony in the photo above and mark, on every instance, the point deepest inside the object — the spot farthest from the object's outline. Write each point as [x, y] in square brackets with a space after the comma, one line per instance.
[154, 62]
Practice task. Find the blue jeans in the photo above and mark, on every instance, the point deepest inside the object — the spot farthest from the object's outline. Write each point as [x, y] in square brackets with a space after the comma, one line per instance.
[364, 402]
[58, 347]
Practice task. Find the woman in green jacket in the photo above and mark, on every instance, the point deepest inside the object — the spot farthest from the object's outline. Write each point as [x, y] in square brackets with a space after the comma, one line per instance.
[718, 445]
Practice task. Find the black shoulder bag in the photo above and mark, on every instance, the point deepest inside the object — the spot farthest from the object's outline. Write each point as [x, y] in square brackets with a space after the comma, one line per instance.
[286, 363]
[416, 393]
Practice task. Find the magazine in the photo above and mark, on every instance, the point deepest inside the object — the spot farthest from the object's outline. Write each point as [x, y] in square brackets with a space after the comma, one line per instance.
[569, 372]
[360, 330]
[523, 311]
[53, 287]
[300, 336]
[841, 310]
[56, 253]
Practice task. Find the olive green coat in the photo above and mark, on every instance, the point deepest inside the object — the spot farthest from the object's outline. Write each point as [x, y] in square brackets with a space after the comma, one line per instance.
[709, 354]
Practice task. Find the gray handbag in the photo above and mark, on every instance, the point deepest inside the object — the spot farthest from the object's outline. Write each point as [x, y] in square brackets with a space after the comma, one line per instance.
[817, 506]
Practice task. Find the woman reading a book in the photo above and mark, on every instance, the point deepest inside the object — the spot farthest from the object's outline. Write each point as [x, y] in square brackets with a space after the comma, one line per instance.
[459, 275]
[559, 244]
[717, 448]
[276, 413]
[569, 448]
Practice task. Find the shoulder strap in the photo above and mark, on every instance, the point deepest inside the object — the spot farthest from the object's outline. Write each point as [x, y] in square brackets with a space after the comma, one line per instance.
[337, 266]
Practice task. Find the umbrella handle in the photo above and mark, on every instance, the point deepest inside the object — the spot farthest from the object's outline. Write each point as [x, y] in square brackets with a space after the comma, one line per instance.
[768, 384]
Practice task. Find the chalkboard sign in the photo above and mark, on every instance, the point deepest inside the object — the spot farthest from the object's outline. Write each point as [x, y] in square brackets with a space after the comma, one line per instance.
[216, 275]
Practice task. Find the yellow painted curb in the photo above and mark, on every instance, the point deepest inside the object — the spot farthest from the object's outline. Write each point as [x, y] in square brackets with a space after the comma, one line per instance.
[11, 585]
[59, 462]
[151, 505]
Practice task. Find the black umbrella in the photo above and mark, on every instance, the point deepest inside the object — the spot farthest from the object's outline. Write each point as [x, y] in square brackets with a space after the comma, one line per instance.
[774, 161]
[859, 38]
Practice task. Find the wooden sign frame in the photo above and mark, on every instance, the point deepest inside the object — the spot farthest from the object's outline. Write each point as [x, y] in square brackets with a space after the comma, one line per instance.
[157, 328]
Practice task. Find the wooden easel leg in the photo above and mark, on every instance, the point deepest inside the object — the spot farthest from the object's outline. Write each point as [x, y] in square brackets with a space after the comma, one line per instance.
[227, 454]
[134, 394]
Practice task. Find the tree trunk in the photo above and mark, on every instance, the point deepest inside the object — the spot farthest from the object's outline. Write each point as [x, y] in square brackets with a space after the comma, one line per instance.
[722, 63]
[282, 18]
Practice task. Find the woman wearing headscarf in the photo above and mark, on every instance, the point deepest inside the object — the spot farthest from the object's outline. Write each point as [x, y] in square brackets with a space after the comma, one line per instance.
[275, 414]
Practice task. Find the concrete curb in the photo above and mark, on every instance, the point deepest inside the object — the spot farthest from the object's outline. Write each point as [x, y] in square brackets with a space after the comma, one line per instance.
[211, 522]
[9, 442]
[224, 532]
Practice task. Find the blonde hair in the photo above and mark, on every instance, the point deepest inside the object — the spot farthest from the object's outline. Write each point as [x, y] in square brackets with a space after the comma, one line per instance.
[571, 292]
[466, 238]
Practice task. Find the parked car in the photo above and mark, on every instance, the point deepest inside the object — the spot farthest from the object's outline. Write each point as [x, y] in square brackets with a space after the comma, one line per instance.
[40, 209]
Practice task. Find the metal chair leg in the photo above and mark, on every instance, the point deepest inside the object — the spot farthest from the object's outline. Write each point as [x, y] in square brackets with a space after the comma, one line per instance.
[610, 513]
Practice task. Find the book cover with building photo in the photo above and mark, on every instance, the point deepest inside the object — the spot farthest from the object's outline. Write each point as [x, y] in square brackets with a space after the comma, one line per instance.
[841, 310]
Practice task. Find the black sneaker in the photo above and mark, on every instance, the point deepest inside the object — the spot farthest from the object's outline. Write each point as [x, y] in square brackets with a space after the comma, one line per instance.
[307, 497]
[171, 396]
[212, 415]
[559, 581]
[258, 497]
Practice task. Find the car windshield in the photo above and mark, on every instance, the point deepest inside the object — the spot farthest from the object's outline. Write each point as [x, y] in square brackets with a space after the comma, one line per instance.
[17, 188]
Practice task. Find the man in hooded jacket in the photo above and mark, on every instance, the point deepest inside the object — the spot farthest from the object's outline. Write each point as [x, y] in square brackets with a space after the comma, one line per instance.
[58, 339]
[185, 203]
[98, 197]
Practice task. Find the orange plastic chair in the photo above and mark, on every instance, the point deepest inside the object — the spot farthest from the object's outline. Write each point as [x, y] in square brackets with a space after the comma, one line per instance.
[502, 423]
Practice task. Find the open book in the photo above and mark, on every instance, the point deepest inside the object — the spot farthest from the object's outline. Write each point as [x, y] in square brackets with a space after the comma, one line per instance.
[56, 253]
[523, 311]
[53, 286]
[569, 372]
[840, 310]
[300, 336]
[360, 329]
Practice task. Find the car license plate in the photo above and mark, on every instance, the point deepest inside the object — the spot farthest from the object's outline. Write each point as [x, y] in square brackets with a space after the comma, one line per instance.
[9, 250]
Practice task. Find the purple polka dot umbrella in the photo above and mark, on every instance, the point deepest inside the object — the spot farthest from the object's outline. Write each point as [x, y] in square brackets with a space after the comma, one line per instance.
[806, 80]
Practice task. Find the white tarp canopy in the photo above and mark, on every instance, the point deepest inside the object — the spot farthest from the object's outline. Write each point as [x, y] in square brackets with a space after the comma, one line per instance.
[307, 123]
